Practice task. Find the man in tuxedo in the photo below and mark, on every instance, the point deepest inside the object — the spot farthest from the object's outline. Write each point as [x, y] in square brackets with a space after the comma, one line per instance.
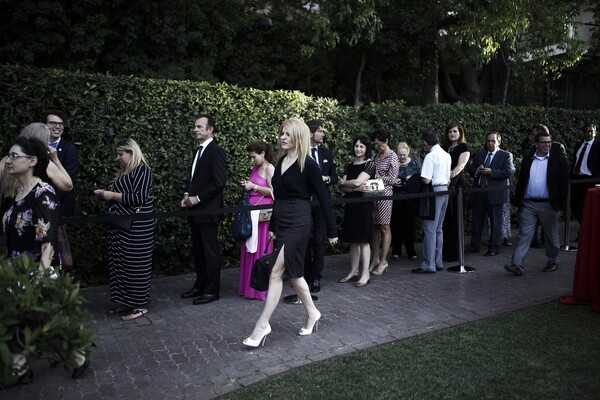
[315, 252]
[491, 167]
[585, 165]
[205, 193]
[67, 155]
[540, 194]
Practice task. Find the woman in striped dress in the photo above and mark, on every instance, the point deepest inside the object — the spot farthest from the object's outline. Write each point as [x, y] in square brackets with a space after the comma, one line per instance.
[130, 250]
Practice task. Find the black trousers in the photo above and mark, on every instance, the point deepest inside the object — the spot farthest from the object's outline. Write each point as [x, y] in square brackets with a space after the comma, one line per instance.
[578, 191]
[207, 257]
[315, 251]
[403, 227]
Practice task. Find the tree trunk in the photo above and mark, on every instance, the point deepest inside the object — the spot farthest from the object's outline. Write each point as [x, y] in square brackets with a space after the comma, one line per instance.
[361, 68]
[448, 90]
[429, 74]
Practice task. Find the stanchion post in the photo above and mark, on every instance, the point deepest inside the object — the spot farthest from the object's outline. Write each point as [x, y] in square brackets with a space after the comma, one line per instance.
[461, 268]
[566, 246]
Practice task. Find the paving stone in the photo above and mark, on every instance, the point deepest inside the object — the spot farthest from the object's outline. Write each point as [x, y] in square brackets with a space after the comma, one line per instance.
[181, 351]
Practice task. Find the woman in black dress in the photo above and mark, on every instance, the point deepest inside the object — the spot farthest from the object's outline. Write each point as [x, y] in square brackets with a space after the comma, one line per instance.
[130, 251]
[456, 145]
[297, 177]
[358, 217]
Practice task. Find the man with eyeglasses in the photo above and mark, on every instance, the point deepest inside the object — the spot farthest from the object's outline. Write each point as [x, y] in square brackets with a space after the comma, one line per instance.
[585, 165]
[540, 194]
[68, 156]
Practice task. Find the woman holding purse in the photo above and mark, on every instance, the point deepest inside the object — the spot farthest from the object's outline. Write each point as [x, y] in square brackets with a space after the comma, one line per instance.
[295, 179]
[259, 190]
[130, 247]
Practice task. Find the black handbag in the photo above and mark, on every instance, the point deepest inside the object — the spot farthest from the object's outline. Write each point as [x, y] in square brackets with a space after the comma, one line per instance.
[242, 223]
[261, 271]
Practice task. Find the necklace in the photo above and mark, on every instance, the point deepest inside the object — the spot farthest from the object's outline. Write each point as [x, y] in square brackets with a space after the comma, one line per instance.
[24, 191]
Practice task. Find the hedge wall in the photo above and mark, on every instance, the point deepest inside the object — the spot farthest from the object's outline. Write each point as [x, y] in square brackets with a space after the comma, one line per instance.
[159, 114]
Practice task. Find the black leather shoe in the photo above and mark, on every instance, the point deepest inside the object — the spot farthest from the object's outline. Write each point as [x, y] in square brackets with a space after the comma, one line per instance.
[514, 269]
[193, 292]
[439, 269]
[551, 267]
[507, 243]
[315, 286]
[205, 299]
[490, 253]
[421, 271]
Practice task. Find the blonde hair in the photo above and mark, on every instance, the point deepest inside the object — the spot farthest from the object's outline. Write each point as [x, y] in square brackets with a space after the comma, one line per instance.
[404, 145]
[300, 137]
[9, 184]
[137, 157]
[36, 130]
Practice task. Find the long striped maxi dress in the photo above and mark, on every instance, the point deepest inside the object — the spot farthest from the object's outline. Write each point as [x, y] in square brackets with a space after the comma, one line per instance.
[130, 253]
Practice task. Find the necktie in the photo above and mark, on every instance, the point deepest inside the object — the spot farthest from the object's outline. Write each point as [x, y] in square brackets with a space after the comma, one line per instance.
[314, 154]
[488, 159]
[198, 154]
[577, 169]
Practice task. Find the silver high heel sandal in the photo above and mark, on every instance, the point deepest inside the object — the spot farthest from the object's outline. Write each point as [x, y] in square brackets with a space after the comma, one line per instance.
[260, 342]
[308, 331]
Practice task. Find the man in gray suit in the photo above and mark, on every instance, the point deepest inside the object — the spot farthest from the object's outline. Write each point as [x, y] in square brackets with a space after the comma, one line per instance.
[491, 167]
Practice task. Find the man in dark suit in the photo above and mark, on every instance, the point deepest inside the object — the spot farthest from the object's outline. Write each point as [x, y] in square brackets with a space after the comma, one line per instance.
[491, 167]
[540, 194]
[205, 193]
[315, 253]
[585, 165]
[68, 156]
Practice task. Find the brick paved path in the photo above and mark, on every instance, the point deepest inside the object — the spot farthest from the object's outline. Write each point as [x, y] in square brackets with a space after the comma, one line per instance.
[194, 352]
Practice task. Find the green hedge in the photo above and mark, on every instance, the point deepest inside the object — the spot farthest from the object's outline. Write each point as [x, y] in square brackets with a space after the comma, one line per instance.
[159, 114]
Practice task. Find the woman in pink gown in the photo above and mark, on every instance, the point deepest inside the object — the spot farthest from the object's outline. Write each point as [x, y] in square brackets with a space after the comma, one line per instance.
[259, 190]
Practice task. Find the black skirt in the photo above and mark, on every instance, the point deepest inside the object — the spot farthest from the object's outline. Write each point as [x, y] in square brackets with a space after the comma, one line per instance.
[292, 229]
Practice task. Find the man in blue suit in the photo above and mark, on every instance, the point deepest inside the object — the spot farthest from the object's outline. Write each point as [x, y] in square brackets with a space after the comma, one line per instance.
[67, 155]
[315, 253]
[491, 167]
[205, 192]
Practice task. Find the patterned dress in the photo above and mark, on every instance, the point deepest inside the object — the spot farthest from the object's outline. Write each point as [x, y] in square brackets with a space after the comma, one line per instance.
[130, 253]
[246, 258]
[387, 170]
[31, 223]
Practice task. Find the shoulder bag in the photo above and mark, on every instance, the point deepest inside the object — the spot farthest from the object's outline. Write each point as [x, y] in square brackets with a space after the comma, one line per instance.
[242, 223]
[261, 271]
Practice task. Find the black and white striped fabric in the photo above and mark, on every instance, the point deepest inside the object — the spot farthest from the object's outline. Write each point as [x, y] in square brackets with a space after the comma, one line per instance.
[130, 253]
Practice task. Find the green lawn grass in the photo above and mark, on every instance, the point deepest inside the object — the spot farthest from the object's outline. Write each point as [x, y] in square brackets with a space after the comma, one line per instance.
[546, 352]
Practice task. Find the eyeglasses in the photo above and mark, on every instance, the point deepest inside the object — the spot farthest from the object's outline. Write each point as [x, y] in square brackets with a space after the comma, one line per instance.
[14, 156]
[55, 123]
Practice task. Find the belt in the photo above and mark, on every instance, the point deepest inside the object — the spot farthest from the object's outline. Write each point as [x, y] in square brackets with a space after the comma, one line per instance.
[440, 185]
[539, 200]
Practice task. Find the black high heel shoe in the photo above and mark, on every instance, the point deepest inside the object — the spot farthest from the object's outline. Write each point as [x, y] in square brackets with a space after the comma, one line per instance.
[79, 371]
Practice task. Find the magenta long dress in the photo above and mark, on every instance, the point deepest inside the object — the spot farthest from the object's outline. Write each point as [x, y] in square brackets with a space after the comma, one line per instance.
[247, 259]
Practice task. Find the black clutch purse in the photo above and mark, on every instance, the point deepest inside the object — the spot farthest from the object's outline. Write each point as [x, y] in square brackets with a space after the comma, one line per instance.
[261, 271]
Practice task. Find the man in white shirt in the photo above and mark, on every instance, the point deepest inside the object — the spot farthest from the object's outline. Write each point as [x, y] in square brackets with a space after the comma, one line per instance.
[435, 170]
[585, 165]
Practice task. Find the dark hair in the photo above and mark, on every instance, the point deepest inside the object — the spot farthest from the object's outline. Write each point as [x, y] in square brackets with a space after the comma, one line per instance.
[540, 128]
[367, 142]
[461, 130]
[380, 134]
[35, 147]
[314, 125]
[210, 122]
[258, 146]
[53, 111]
[430, 137]
[589, 125]
[542, 133]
